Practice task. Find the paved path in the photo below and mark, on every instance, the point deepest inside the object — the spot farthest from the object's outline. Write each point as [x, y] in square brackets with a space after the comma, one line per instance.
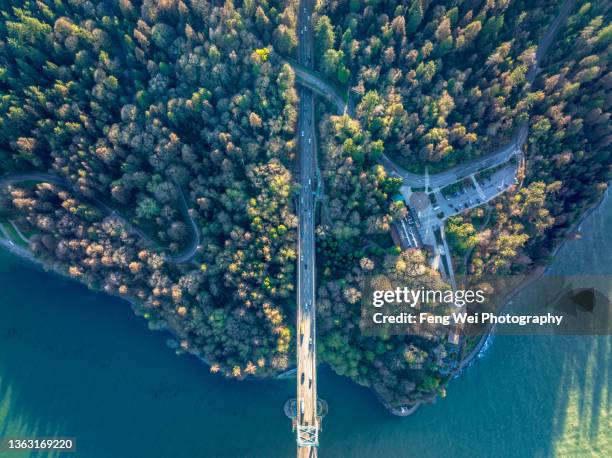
[311, 80]
[185, 256]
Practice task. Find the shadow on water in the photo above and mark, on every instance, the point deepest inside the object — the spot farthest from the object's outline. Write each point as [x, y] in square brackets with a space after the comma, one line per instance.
[529, 396]
[78, 364]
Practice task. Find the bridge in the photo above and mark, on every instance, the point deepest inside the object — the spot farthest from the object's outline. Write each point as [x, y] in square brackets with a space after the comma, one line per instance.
[307, 420]
[306, 409]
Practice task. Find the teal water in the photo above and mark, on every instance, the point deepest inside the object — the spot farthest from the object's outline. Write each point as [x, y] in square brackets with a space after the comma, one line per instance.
[80, 364]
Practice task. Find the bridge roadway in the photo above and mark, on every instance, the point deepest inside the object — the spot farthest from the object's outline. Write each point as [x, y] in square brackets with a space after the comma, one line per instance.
[307, 423]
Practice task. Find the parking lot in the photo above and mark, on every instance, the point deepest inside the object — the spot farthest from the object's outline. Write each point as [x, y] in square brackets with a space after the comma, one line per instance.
[473, 193]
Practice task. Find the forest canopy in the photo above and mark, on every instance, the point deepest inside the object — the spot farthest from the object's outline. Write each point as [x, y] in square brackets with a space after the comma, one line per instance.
[157, 143]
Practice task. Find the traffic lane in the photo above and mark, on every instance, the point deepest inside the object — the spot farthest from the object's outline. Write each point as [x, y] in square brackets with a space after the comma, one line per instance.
[305, 33]
[306, 395]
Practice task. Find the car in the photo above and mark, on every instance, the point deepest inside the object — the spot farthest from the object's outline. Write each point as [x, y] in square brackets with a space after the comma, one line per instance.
[436, 207]
[301, 337]
[310, 141]
[305, 266]
[302, 406]
[302, 133]
[500, 187]
[465, 205]
[302, 379]
[478, 201]
[302, 257]
[309, 382]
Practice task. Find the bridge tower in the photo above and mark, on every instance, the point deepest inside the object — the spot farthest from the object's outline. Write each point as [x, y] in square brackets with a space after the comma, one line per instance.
[307, 436]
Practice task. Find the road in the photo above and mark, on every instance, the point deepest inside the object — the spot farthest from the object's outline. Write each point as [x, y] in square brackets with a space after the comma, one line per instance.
[307, 423]
[459, 172]
[313, 81]
[548, 37]
[308, 78]
[180, 258]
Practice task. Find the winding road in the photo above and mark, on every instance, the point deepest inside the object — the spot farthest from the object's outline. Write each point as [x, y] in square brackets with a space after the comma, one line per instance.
[310, 79]
[183, 257]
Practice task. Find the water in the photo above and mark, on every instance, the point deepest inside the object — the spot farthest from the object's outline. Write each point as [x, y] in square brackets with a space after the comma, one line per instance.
[79, 364]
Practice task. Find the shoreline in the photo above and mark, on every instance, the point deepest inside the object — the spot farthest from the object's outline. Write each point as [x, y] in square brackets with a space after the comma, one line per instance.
[401, 411]
[26, 255]
[532, 277]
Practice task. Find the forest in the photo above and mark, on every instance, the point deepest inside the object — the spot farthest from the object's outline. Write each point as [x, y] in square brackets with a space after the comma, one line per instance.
[436, 83]
[173, 122]
[133, 103]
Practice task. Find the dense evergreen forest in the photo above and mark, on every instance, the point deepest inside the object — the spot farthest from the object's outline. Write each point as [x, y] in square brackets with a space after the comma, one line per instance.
[136, 105]
[567, 153]
[132, 103]
[436, 83]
